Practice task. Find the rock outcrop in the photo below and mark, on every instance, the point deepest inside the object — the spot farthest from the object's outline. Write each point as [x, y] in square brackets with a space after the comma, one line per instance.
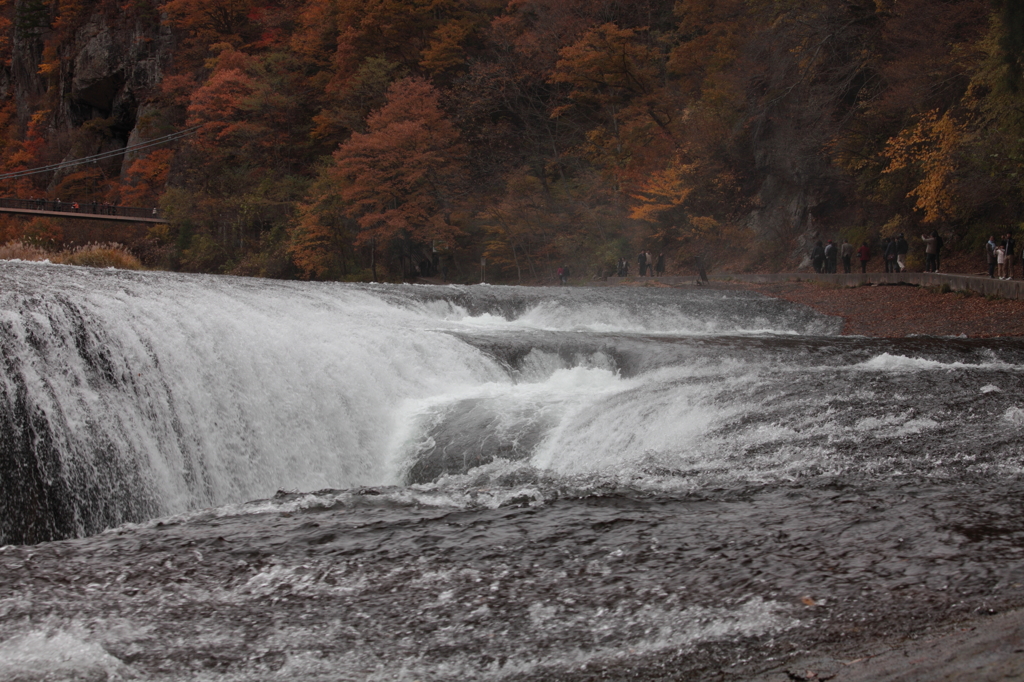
[95, 95]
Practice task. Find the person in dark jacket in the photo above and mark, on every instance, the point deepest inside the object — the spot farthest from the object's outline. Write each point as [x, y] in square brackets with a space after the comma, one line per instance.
[890, 256]
[1009, 245]
[818, 257]
[902, 248]
[990, 256]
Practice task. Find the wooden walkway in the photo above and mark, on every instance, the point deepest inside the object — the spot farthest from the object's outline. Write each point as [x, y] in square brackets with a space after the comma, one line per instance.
[90, 211]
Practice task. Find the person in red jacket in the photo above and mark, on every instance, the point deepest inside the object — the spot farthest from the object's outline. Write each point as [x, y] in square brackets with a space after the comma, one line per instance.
[865, 255]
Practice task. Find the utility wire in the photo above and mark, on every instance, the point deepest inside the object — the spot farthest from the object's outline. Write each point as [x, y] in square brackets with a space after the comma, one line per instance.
[104, 155]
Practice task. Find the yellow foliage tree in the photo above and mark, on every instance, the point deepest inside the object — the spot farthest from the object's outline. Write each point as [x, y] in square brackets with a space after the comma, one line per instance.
[928, 150]
[445, 50]
[664, 192]
[318, 238]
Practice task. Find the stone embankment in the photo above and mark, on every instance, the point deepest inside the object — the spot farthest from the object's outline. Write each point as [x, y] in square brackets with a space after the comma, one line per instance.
[1011, 289]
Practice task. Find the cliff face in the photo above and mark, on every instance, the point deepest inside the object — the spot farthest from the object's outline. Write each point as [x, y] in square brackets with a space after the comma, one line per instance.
[22, 78]
[111, 70]
[97, 87]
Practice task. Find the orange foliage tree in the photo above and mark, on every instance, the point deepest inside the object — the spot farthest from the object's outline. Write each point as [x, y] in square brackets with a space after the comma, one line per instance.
[146, 177]
[614, 73]
[399, 180]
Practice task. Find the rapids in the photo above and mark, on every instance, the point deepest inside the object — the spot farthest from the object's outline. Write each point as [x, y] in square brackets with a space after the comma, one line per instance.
[232, 479]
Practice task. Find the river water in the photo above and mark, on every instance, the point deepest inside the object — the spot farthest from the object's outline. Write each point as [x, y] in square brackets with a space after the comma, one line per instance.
[212, 478]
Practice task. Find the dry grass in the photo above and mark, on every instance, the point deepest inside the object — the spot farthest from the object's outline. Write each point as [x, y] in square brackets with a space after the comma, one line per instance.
[91, 255]
[18, 250]
[99, 256]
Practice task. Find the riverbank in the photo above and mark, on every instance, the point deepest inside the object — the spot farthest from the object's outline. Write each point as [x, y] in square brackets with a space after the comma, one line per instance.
[895, 311]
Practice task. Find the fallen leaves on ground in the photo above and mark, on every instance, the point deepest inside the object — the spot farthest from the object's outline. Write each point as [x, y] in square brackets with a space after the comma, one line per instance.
[899, 310]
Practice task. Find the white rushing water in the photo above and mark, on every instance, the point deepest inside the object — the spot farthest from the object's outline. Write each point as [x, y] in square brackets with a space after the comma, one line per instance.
[143, 395]
[219, 391]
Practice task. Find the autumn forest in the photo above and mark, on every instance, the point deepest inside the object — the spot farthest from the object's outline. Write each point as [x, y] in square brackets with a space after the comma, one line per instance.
[390, 139]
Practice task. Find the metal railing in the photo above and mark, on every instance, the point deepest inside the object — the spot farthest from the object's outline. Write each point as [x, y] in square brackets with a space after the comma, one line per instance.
[91, 208]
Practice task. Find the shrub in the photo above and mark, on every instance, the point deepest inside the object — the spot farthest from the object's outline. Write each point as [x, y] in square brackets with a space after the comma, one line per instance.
[99, 256]
[203, 254]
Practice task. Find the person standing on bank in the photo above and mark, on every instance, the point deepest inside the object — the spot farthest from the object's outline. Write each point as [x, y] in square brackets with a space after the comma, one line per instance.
[864, 253]
[893, 256]
[929, 251]
[846, 253]
[818, 258]
[902, 247]
[641, 264]
[890, 255]
[659, 265]
[990, 256]
[832, 257]
[1009, 245]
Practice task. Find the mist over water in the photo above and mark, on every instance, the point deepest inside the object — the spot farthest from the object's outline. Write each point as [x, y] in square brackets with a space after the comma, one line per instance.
[337, 481]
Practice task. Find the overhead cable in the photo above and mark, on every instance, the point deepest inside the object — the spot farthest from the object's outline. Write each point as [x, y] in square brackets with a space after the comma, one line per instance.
[155, 142]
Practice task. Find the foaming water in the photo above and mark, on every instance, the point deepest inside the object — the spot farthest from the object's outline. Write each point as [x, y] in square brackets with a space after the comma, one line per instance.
[142, 396]
[274, 480]
[170, 393]
[151, 394]
[886, 362]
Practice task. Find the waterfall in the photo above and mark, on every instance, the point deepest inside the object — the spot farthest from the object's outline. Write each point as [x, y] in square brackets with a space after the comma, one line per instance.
[124, 397]
[129, 396]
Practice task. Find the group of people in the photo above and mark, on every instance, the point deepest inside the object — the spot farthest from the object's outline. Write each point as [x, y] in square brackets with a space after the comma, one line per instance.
[894, 254]
[105, 208]
[894, 250]
[825, 258]
[646, 265]
[563, 275]
[1000, 256]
